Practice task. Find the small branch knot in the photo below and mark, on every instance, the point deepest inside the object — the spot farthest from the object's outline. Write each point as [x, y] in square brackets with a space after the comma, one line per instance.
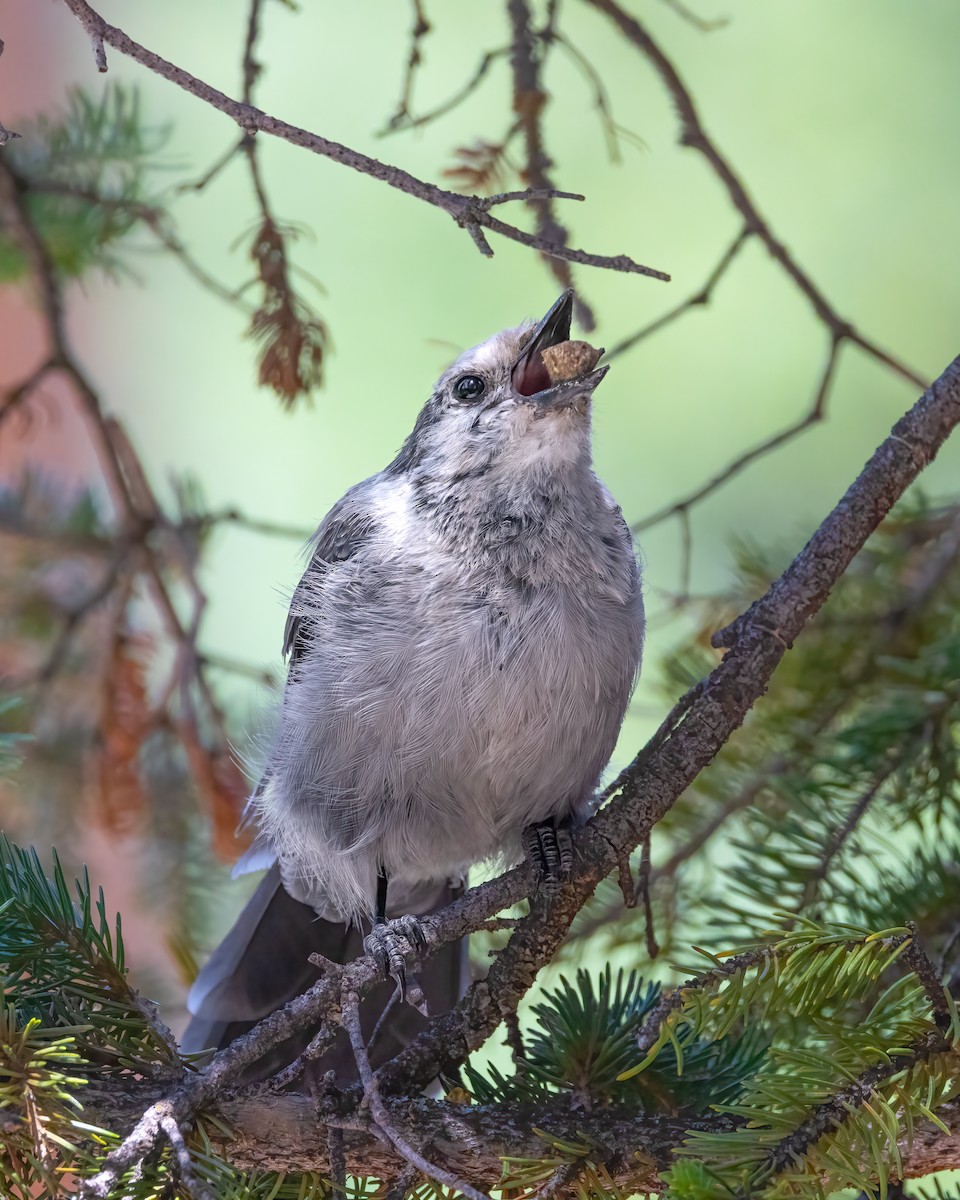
[250, 119]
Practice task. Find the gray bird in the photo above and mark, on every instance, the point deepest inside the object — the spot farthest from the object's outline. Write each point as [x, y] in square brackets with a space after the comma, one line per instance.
[462, 648]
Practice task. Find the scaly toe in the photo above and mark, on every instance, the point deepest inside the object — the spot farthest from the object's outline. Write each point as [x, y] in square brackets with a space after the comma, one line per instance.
[395, 947]
[549, 847]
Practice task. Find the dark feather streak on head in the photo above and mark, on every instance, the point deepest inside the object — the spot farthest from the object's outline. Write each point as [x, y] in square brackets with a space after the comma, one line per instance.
[412, 451]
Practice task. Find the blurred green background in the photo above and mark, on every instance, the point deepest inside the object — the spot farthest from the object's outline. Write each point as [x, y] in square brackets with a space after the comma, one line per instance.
[842, 118]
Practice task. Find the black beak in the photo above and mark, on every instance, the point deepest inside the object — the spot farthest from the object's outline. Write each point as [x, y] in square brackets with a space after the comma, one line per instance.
[531, 379]
[529, 373]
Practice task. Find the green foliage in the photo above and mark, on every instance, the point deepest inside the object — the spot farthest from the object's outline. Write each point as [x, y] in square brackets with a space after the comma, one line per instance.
[36, 1093]
[83, 174]
[584, 1041]
[63, 957]
[855, 1066]
[787, 1146]
[73, 1020]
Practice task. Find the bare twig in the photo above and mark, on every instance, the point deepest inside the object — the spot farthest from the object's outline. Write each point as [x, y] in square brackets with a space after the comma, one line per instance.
[703, 24]
[421, 27]
[371, 1094]
[699, 299]
[463, 209]
[188, 1176]
[529, 100]
[815, 413]
[75, 618]
[411, 122]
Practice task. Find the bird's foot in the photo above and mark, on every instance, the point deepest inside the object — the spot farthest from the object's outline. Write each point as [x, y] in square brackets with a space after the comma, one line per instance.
[548, 845]
[396, 946]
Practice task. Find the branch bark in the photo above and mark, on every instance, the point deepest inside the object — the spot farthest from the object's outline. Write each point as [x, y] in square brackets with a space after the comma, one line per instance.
[470, 212]
[279, 1133]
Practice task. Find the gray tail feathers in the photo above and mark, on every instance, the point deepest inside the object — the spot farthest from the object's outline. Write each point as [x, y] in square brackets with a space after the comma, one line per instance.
[263, 962]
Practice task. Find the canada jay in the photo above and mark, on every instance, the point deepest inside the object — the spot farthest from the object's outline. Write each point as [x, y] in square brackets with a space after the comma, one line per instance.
[461, 651]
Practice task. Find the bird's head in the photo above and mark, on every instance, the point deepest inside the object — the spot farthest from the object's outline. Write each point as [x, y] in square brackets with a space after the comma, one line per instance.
[503, 408]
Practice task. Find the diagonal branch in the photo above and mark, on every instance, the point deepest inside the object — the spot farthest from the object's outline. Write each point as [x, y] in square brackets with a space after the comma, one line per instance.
[814, 414]
[693, 134]
[463, 209]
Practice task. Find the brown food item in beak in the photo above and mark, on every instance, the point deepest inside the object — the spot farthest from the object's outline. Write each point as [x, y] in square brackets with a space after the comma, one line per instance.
[569, 360]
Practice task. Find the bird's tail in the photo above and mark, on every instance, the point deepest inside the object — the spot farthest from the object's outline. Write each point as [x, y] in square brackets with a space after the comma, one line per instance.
[263, 962]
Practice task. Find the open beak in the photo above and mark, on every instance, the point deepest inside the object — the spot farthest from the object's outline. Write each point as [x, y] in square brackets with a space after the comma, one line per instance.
[531, 378]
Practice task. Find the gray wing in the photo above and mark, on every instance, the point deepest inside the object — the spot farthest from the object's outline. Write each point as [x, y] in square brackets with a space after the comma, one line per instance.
[341, 534]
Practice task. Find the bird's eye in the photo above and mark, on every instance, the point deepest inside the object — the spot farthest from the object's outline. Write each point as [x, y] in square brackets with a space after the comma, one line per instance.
[469, 387]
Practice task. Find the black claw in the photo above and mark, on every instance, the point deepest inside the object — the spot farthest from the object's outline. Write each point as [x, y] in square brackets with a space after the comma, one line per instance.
[395, 945]
[413, 932]
[550, 848]
[565, 846]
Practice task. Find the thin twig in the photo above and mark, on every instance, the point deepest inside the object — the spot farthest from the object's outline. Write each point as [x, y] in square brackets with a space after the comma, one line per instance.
[529, 101]
[841, 835]
[463, 209]
[411, 122]
[20, 393]
[814, 414]
[76, 616]
[188, 1176]
[703, 24]
[421, 27]
[643, 889]
[699, 299]
[371, 1092]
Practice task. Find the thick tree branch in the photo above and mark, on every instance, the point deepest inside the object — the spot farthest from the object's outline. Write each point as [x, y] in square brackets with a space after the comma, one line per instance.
[279, 1133]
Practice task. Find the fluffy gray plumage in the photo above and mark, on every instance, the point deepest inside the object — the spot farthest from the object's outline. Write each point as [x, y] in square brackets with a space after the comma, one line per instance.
[462, 646]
